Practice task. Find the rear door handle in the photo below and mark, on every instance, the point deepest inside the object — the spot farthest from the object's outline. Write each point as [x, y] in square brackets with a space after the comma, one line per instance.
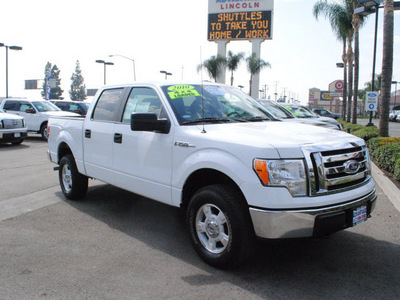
[88, 133]
[118, 138]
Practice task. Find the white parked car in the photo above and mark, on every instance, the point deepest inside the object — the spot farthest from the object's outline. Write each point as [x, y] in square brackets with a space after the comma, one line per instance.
[35, 113]
[12, 128]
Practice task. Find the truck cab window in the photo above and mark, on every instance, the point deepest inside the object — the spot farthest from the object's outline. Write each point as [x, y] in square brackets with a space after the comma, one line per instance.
[12, 105]
[143, 100]
[107, 105]
[25, 106]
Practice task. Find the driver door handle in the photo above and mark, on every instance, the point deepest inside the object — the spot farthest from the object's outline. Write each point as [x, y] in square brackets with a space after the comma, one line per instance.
[118, 138]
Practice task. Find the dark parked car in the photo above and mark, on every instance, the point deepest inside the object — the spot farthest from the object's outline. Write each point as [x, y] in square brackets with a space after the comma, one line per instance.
[326, 113]
[78, 107]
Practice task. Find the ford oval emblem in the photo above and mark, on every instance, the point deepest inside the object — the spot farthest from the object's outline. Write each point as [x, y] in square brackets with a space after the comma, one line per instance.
[351, 166]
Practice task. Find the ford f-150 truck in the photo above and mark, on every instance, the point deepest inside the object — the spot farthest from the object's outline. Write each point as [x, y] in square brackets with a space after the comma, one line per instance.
[212, 151]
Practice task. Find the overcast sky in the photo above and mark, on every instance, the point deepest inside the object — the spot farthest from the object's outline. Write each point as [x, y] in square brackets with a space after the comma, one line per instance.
[168, 35]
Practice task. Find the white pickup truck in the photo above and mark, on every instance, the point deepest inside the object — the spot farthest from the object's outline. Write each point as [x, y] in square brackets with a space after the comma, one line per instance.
[212, 151]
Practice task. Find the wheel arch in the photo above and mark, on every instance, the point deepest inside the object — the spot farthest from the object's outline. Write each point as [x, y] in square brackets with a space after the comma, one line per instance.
[63, 149]
[44, 123]
[205, 177]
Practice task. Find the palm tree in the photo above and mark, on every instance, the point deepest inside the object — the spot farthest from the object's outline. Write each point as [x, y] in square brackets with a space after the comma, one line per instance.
[377, 83]
[255, 65]
[340, 21]
[212, 66]
[232, 62]
[387, 67]
[358, 21]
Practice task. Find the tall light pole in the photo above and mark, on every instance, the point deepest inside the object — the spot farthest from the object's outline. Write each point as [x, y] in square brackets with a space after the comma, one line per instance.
[369, 7]
[12, 48]
[105, 63]
[131, 59]
[166, 74]
[395, 93]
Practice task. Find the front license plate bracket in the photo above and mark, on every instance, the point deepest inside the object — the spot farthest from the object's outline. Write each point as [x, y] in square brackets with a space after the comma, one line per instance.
[359, 215]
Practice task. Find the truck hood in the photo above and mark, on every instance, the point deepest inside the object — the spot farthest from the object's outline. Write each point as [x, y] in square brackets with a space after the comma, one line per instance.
[286, 138]
[4, 116]
[60, 113]
[314, 122]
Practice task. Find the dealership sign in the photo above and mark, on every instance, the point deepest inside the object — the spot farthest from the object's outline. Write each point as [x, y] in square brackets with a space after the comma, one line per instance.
[239, 19]
[371, 101]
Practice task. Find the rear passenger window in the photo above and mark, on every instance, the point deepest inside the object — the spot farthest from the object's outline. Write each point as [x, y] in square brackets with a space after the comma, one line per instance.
[108, 104]
[11, 105]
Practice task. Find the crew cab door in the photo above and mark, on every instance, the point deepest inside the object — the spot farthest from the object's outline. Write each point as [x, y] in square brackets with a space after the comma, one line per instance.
[142, 159]
[98, 135]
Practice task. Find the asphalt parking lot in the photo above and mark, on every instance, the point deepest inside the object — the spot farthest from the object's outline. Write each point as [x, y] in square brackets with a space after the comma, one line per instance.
[117, 245]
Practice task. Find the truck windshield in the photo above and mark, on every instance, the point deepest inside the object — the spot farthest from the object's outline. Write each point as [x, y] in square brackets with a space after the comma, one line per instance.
[45, 106]
[276, 110]
[301, 111]
[212, 104]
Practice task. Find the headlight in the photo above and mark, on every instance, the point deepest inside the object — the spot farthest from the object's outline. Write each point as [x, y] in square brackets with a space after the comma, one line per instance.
[288, 173]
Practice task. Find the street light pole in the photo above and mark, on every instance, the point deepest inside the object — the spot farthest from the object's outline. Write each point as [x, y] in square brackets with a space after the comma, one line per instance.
[369, 7]
[12, 48]
[131, 59]
[374, 59]
[104, 63]
[166, 74]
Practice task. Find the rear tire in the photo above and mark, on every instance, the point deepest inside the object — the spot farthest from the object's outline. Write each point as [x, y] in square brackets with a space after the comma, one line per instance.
[220, 226]
[73, 184]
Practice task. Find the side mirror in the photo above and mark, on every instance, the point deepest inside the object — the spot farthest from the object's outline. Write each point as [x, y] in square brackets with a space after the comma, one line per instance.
[149, 122]
[30, 111]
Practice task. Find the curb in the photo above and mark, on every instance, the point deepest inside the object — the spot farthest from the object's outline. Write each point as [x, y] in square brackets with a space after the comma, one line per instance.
[387, 186]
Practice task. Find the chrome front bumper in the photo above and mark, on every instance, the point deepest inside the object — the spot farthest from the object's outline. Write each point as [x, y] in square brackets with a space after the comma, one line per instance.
[276, 224]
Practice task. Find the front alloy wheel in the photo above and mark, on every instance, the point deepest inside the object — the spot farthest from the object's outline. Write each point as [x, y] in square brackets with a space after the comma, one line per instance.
[220, 226]
[213, 228]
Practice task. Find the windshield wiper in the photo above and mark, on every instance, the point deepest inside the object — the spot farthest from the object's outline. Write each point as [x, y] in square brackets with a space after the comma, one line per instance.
[258, 119]
[206, 120]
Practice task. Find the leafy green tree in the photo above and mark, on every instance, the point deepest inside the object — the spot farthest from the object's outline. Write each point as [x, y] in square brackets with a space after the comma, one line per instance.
[233, 61]
[55, 92]
[255, 65]
[78, 87]
[212, 66]
[387, 66]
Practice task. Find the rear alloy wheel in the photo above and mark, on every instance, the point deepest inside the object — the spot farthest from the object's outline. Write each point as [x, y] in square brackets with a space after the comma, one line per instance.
[73, 184]
[220, 227]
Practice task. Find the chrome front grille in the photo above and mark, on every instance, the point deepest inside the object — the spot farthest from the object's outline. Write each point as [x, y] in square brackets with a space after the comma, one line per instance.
[332, 171]
[13, 123]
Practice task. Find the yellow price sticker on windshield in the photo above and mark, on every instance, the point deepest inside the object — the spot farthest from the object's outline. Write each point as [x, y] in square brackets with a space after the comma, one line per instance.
[181, 91]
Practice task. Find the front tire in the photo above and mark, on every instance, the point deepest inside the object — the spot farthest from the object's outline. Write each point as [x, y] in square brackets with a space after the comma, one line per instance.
[17, 142]
[43, 132]
[73, 184]
[220, 227]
